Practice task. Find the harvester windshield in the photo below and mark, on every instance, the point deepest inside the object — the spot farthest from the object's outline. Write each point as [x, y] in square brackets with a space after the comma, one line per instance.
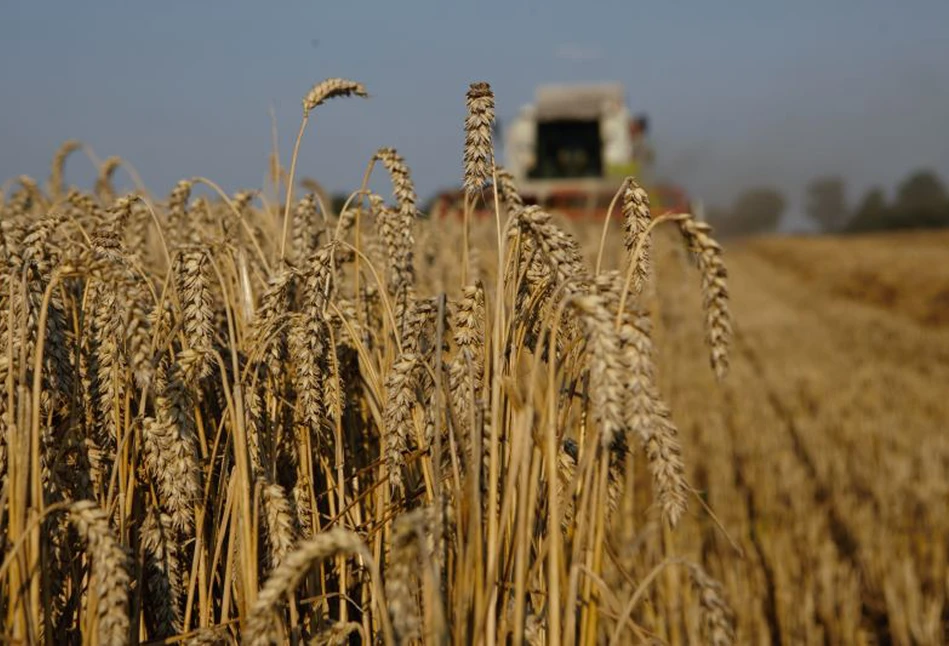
[573, 147]
[568, 149]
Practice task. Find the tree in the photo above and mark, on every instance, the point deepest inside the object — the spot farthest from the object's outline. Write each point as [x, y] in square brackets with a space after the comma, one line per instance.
[826, 202]
[872, 213]
[921, 202]
[922, 190]
[757, 210]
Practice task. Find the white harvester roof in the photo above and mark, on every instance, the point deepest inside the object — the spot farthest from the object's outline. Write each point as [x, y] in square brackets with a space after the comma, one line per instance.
[588, 102]
[604, 103]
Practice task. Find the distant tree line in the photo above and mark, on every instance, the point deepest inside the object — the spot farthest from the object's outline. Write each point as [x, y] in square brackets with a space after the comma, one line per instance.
[921, 200]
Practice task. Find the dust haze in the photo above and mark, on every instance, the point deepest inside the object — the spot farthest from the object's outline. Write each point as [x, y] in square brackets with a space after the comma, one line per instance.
[872, 132]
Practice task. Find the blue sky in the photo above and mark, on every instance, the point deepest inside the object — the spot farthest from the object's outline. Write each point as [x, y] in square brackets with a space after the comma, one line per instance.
[739, 92]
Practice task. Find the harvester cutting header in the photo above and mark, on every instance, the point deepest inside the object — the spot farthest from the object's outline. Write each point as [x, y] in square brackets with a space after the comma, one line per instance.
[572, 147]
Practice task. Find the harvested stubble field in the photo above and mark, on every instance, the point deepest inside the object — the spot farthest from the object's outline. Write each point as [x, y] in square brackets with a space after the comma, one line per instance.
[825, 453]
[248, 419]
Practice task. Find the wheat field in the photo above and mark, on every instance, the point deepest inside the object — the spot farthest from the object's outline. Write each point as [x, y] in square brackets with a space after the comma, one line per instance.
[250, 419]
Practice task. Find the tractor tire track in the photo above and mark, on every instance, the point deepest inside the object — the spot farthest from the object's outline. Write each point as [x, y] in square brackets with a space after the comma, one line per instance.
[873, 607]
[747, 492]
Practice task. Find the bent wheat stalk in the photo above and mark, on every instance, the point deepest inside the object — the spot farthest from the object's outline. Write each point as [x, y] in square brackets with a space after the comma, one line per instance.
[262, 627]
[319, 94]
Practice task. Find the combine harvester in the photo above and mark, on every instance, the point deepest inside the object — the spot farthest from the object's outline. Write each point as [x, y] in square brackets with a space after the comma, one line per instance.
[570, 151]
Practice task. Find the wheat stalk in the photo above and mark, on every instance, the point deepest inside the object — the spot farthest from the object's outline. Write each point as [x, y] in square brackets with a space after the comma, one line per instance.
[318, 95]
[57, 172]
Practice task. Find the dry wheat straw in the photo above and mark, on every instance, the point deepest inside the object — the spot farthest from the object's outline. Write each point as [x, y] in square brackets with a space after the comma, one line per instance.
[339, 634]
[170, 446]
[138, 232]
[192, 277]
[268, 329]
[109, 564]
[262, 627]
[466, 371]
[329, 89]
[211, 636]
[102, 373]
[57, 172]
[138, 334]
[636, 218]
[557, 249]
[307, 344]
[478, 124]
[103, 187]
[328, 407]
[84, 206]
[400, 239]
[279, 521]
[242, 200]
[508, 189]
[178, 203]
[409, 551]
[708, 255]
[664, 452]
[162, 575]
[322, 197]
[400, 401]
[31, 193]
[320, 93]
[606, 367]
[305, 230]
[718, 622]
[646, 414]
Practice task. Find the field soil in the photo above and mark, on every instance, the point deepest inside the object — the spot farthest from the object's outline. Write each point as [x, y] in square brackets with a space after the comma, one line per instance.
[825, 452]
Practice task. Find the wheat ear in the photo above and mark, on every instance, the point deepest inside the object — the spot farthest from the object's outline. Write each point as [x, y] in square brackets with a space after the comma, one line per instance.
[262, 628]
[636, 217]
[109, 569]
[708, 255]
[478, 146]
[718, 619]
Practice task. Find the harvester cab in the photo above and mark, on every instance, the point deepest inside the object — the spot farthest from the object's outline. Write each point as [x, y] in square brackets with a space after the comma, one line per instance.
[572, 148]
